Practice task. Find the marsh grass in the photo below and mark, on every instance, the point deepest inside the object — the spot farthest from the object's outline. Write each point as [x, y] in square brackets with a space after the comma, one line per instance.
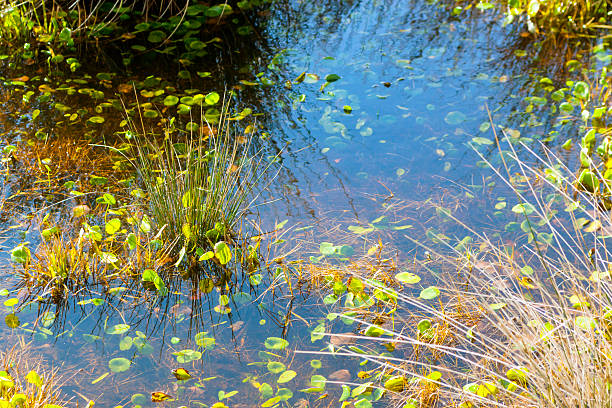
[522, 324]
[49, 167]
[25, 382]
[200, 186]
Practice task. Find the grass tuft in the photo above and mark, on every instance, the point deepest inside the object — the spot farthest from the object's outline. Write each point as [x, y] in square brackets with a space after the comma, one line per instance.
[200, 186]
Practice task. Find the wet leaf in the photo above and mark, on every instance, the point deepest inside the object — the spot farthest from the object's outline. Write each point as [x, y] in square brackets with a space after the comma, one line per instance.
[212, 98]
[159, 396]
[407, 277]
[223, 252]
[429, 293]
[119, 365]
[12, 320]
[34, 378]
[118, 329]
[156, 36]
[187, 356]
[275, 343]
[112, 226]
[276, 367]
[286, 376]
[181, 374]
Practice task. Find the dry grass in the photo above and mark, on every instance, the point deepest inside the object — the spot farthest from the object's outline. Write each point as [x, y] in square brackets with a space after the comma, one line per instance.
[43, 167]
[505, 335]
[23, 378]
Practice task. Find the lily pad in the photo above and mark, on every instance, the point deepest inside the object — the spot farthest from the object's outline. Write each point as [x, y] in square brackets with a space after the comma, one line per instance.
[429, 293]
[454, 118]
[119, 365]
[275, 343]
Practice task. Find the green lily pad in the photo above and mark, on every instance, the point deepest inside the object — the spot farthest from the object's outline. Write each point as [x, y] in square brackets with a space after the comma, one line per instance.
[119, 365]
[275, 343]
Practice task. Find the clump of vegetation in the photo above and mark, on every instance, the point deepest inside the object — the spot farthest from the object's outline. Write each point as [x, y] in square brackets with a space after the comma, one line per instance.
[200, 186]
[556, 17]
[86, 257]
[27, 384]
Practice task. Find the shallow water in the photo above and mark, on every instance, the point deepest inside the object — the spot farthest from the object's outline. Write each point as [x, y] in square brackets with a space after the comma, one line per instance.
[402, 122]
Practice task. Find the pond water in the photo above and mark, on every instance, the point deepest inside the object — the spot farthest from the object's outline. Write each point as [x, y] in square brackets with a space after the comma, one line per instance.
[386, 107]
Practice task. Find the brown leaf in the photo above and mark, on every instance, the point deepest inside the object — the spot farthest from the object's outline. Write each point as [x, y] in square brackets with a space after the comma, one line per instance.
[159, 396]
[125, 88]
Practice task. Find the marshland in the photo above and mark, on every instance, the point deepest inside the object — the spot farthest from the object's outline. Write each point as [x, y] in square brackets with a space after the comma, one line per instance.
[284, 203]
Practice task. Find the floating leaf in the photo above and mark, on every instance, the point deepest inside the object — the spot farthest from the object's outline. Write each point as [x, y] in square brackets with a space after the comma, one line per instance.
[96, 119]
[286, 376]
[119, 365]
[212, 98]
[203, 340]
[118, 329]
[20, 254]
[429, 293]
[98, 180]
[363, 403]
[284, 394]
[318, 381]
[156, 36]
[171, 100]
[181, 374]
[125, 343]
[332, 78]
[159, 396]
[187, 356]
[407, 277]
[276, 367]
[581, 90]
[275, 343]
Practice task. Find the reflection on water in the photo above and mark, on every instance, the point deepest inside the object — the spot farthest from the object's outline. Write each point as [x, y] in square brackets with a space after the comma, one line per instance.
[372, 103]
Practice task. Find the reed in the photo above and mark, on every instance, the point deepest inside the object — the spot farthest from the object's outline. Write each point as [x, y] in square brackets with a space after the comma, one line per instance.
[200, 185]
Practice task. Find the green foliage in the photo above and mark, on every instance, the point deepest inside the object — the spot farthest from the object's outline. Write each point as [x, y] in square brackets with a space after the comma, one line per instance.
[199, 189]
[566, 17]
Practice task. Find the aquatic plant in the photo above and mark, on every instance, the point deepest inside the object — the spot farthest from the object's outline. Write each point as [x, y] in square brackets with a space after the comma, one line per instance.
[524, 324]
[199, 187]
[25, 383]
[556, 17]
